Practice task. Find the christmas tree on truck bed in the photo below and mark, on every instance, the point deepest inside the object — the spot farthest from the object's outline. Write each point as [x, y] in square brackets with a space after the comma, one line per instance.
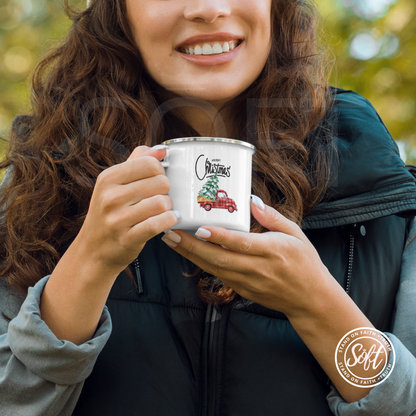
[209, 190]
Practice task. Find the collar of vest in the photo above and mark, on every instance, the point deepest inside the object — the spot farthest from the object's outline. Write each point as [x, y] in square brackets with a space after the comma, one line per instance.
[370, 179]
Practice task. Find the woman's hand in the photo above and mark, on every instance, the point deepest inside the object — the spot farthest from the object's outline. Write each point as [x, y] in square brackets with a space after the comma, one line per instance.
[129, 206]
[279, 269]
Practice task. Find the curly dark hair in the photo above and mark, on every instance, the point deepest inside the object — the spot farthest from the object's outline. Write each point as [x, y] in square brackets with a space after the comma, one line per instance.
[92, 102]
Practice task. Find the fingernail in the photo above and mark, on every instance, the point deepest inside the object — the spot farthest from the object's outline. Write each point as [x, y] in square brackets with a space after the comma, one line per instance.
[258, 202]
[170, 243]
[171, 238]
[177, 213]
[203, 233]
[159, 147]
[176, 238]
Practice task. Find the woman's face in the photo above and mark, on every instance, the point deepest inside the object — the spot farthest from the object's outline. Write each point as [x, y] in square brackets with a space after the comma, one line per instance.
[209, 49]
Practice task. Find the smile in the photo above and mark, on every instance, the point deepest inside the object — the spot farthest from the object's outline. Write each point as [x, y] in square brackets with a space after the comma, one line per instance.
[210, 48]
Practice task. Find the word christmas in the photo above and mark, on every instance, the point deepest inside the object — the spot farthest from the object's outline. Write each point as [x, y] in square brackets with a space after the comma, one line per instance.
[210, 168]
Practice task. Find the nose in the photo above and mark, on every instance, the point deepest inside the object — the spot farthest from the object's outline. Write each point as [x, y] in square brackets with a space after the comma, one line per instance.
[206, 11]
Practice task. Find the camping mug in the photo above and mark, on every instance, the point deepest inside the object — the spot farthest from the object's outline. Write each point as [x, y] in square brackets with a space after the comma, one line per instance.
[210, 180]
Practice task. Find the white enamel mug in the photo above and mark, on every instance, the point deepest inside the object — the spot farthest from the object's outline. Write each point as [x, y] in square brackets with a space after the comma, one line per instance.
[210, 180]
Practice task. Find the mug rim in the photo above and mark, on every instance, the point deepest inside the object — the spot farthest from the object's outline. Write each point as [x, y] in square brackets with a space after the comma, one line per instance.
[210, 139]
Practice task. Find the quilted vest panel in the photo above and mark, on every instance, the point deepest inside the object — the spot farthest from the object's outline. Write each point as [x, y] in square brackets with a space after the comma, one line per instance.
[169, 354]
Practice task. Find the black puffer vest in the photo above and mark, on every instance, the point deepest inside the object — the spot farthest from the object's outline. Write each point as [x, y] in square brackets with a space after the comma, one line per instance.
[171, 355]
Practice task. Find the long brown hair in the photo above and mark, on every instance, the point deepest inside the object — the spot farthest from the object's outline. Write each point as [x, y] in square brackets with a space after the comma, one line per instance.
[92, 102]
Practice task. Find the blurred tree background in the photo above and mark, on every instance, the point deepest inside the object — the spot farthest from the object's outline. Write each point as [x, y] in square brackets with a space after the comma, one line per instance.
[373, 43]
[374, 46]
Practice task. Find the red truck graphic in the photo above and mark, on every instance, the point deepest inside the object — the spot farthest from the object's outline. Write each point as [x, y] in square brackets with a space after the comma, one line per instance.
[222, 202]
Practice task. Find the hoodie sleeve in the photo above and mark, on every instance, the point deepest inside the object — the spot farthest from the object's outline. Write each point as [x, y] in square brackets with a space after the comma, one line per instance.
[397, 395]
[41, 375]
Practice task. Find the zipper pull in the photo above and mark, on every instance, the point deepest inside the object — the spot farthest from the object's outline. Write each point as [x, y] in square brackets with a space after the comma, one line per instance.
[138, 275]
[353, 230]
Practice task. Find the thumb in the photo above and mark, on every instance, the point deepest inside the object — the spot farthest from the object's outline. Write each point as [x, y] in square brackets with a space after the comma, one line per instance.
[271, 219]
[158, 151]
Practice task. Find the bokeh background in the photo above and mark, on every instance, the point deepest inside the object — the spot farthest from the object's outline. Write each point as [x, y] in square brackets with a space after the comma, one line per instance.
[372, 44]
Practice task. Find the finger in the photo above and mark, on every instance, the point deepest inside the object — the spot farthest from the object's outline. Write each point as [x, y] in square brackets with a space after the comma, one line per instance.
[129, 216]
[233, 279]
[141, 168]
[247, 243]
[130, 171]
[152, 226]
[137, 191]
[271, 219]
[238, 279]
[215, 259]
[143, 162]
[120, 196]
[158, 152]
[139, 151]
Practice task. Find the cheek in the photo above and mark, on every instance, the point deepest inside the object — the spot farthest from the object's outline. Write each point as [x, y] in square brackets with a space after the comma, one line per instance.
[256, 15]
[263, 23]
[150, 35]
[255, 11]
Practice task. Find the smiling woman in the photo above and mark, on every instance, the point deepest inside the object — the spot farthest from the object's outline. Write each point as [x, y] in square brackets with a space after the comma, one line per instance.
[160, 32]
[234, 325]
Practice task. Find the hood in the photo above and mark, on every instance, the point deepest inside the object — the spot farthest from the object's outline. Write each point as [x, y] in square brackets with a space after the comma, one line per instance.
[369, 179]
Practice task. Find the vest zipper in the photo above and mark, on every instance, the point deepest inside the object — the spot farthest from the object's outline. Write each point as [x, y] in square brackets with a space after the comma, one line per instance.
[212, 359]
[138, 275]
[351, 231]
[350, 263]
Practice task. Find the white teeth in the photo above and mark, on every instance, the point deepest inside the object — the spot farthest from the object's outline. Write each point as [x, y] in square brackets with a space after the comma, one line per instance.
[216, 48]
[211, 49]
[206, 50]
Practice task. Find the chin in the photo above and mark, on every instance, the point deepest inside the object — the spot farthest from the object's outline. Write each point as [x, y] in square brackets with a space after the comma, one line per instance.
[207, 94]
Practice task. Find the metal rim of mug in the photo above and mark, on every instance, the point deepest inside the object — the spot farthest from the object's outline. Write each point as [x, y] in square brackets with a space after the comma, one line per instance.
[210, 139]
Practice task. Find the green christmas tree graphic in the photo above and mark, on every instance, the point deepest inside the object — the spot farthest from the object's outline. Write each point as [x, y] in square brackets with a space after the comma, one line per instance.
[209, 190]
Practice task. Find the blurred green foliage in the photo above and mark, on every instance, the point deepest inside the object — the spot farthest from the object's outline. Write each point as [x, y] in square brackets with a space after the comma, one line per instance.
[389, 79]
[30, 27]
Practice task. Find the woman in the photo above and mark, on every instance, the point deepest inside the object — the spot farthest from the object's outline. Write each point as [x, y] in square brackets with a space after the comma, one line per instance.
[85, 203]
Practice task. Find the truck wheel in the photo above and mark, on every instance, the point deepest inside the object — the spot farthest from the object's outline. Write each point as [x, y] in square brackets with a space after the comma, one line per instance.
[207, 207]
[230, 209]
